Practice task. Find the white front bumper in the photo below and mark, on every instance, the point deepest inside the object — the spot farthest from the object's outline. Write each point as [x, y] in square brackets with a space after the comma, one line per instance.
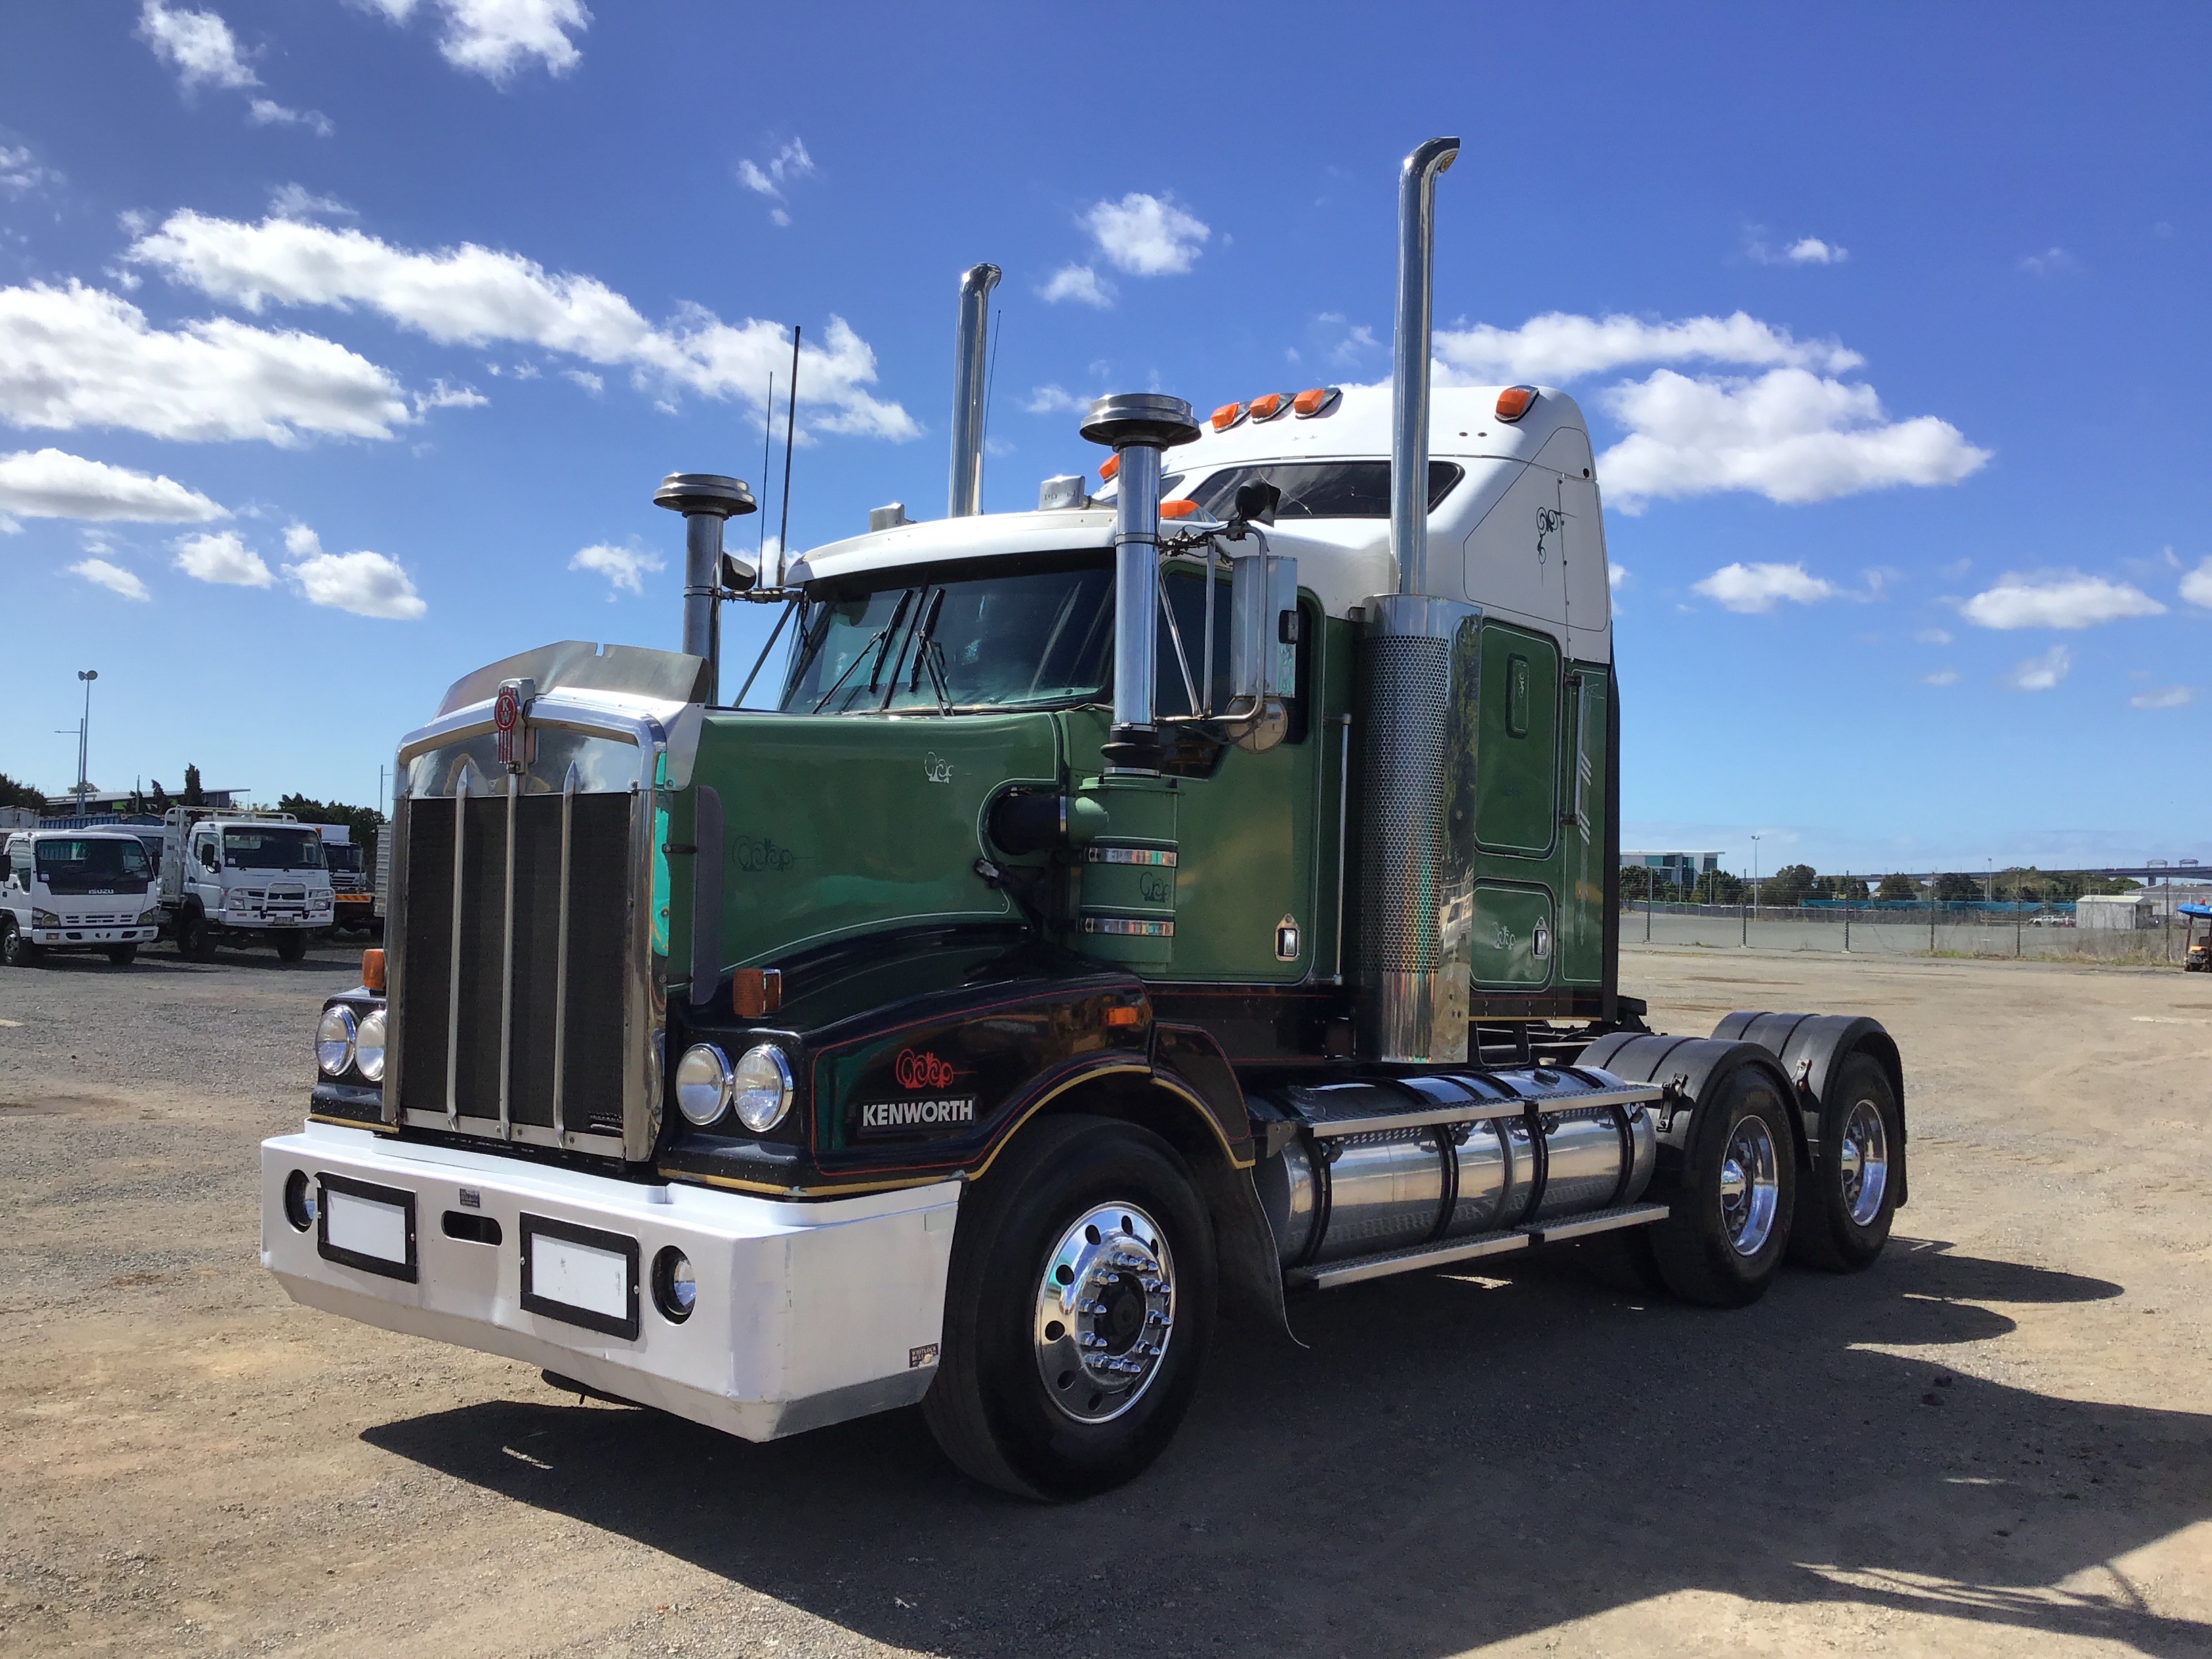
[119, 933]
[806, 1314]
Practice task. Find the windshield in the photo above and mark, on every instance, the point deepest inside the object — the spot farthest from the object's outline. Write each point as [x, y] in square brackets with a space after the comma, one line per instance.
[93, 865]
[272, 848]
[1321, 489]
[341, 855]
[957, 639]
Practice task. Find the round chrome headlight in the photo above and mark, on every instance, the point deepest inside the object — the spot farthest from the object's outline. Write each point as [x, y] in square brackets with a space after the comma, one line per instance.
[702, 1084]
[762, 1087]
[334, 1041]
[368, 1046]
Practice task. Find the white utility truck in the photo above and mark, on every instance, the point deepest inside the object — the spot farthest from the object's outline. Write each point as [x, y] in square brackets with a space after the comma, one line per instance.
[233, 877]
[75, 889]
[352, 882]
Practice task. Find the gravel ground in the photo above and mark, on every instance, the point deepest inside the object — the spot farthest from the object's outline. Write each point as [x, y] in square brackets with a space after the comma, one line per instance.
[1997, 1439]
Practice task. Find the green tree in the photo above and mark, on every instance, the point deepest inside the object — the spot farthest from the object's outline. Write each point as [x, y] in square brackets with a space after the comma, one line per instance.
[160, 800]
[192, 796]
[1956, 889]
[1792, 885]
[364, 821]
[1843, 887]
[1897, 887]
[13, 794]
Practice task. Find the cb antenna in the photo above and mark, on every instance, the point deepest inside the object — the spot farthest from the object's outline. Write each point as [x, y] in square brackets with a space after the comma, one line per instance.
[790, 430]
[768, 437]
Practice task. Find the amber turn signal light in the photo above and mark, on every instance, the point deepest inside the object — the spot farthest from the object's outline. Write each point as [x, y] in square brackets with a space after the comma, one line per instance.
[372, 970]
[756, 991]
[1178, 509]
[1127, 1013]
[1515, 402]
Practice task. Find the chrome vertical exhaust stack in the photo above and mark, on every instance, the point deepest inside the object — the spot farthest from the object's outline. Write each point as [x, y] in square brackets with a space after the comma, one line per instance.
[970, 361]
[1416, 865]
[1139, 425]
[705, 500]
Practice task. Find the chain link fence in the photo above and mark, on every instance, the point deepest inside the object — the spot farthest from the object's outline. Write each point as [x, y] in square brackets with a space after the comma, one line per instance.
[1965, 930]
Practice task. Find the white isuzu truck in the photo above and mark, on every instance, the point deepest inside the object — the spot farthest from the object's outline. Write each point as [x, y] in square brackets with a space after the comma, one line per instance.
[75, 889]
[237, 877]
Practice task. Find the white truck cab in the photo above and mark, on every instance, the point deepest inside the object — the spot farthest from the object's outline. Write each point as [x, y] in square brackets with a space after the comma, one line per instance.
[234, 877]
[75, 889]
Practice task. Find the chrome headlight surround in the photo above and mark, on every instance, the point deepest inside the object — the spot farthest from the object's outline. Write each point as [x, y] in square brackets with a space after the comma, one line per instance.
[702, 1084]
[368, 1042]
[334, 1040]
[762, 1087]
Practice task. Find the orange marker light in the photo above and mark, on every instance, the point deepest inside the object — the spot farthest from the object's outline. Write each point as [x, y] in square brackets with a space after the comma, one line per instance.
[1515, 402]
[1267, 408]
[1178, 509]
[1124, 1014]
[1315, 400]
[1228, 415]
[756, 991]
[1108, 467]
[372, 970]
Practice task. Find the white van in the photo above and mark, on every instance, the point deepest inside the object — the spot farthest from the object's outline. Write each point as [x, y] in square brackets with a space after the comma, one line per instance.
[76, 890]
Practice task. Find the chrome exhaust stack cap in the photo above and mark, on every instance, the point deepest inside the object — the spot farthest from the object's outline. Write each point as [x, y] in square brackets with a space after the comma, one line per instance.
[705, 500]
[970, 366]
[1139, 425]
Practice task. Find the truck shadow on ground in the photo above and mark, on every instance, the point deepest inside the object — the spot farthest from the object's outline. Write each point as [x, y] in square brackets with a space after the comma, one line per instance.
[1453, 1460]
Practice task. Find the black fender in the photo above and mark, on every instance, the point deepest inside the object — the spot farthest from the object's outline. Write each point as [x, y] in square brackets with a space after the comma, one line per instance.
[1691, 1070]
[1812, 1049]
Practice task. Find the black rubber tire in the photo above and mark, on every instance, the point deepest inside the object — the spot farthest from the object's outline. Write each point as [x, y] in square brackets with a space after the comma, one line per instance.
[195, 938]
[1825, 1236]
[988, 1406]
[16, 950]
[1692, 1249]
[290, 947]
[122, 955]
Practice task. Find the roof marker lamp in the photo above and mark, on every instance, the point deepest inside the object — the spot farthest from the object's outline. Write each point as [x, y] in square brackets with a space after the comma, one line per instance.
[1316, 400]
[1515, 402]
[1267, 408]
[1228, 415]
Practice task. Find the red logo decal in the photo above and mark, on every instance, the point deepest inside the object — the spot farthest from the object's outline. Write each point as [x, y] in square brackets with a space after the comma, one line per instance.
[506, 709]
[919, 1069]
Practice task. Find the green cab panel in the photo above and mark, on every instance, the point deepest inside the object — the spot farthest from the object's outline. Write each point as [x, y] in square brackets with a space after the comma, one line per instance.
[1582, 912]
[1517, 743]
[1512, 938]
[841, 825]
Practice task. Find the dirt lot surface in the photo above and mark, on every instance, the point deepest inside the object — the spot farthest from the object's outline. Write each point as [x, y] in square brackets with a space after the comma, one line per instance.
[1995, 1441]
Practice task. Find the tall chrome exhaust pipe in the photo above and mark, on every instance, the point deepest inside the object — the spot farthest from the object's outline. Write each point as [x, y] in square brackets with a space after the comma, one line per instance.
[705, 500]
[970, 363]
[1139, 425]
[1409, 390]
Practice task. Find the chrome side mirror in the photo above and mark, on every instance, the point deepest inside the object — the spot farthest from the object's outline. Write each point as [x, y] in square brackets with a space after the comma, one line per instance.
[1263, 646]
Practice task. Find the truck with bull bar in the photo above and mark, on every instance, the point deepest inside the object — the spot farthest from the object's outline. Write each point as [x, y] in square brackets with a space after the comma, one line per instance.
[1194, 894]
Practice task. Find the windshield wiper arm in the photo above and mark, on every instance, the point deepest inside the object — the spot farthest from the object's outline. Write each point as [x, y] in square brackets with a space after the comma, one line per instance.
[925, 648]
[879, 641]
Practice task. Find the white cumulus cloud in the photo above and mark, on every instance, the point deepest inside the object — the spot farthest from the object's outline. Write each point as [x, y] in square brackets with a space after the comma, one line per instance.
[1147, 235]
[77, 356]
[1752, 589]
[769, 179]
[2197, 586]
[198, 45]
[1787, 434]
[1080, 283]
[2041, 673]
[2170, 697]
[268, 113]
[114, 578]
[1558, 347]
[51, 484]
[367, 584]
[2066, 600]
[495, 38]
[474, 296]
[19, 172]
[1811, 250]
[621, 565]
[221, 557]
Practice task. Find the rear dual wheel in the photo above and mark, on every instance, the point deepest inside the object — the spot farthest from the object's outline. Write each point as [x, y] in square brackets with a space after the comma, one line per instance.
[1844, 1216]
[1078, 1313]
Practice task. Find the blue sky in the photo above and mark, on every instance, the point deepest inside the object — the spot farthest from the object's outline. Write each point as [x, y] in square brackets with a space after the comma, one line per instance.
[339, 329]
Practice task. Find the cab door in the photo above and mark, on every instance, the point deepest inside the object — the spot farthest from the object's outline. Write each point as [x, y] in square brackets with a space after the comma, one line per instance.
[1516, 809]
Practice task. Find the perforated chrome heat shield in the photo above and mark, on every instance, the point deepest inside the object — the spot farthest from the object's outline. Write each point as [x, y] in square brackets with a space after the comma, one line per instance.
[1417, 852]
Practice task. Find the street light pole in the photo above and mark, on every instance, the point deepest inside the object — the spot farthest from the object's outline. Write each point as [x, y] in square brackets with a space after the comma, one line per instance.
[85, 737]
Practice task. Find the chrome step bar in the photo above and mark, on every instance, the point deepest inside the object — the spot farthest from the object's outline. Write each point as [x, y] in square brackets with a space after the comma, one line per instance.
[1355, 1269]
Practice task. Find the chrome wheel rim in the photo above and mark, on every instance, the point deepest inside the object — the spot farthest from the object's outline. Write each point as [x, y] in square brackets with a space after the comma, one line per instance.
[1105, 1312]
[1862, 1161]
[1750, 1188]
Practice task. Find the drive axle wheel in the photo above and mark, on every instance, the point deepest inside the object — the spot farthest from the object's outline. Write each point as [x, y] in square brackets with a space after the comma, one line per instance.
[1844, 1216]
[16, 950]
[1730, 1226]
[1078, 1312]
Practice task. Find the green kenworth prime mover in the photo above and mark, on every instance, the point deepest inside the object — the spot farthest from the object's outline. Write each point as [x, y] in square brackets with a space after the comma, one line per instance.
[1199, 891]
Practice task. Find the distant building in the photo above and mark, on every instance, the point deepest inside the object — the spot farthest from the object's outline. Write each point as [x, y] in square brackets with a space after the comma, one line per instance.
[98, 802]
[1683, 869]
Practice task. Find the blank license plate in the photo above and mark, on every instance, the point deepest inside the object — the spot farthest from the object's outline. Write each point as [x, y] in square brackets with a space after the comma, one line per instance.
[579, 1275]
[366, 1226]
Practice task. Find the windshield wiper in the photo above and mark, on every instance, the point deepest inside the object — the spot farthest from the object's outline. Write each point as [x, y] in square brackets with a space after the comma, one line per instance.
[880, 643]
[927, 654]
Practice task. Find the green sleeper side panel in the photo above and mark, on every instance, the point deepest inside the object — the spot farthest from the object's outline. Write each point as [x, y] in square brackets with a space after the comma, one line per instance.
[1517, 744]
[1505, 938]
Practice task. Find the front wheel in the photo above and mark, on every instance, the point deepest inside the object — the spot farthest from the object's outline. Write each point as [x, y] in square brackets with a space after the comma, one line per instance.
[195, 937]
[290, 947]
[16, 950]
[1730, 1228]
[1078, 1313]
[1844, 1219]
[122, 955]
